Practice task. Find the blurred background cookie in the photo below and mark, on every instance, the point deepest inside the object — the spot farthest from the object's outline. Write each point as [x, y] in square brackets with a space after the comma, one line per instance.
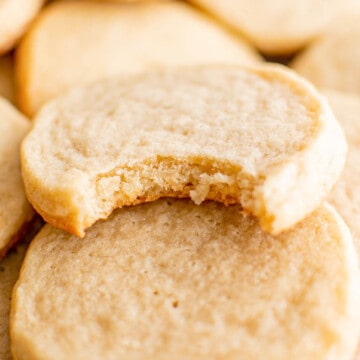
[76, 42]
[277, 27]
[15, 211]
[332, 61]
[346, 195]
[15, 17]
[9, 271]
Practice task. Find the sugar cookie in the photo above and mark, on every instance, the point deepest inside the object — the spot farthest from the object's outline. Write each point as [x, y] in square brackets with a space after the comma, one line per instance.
[278, 27]
[15, 211]
[76, 42]
[332, 61]
[260, 137]
[15, 16]
[172, 280]
[9, 271]
[346, 195]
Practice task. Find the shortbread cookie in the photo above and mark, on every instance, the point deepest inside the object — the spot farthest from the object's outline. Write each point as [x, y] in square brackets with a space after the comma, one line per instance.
[9, 271]
[281, 26]
[260, 137]
[76, 42]
[172, 280]
[15, 211]
[346, 195]
[7, 84]
[15, 16]
[332, 61]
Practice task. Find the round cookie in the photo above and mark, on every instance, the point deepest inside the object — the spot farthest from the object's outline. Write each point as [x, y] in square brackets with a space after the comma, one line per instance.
[15, 211]
[77, 42]
[7, 83]
[15, 16]
[332, 61]
[172, 280]
[278, 27]
[346, 195]
[9, 271]
[261, 137]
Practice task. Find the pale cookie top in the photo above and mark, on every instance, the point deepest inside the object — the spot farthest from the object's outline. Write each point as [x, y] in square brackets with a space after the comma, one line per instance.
[346, 195]
[76, 42]
[171, 280]
[9, 271]
[260, 137]
[7, 80]
[15, 16]
[15, 211]
[332, 61]
[278, 27]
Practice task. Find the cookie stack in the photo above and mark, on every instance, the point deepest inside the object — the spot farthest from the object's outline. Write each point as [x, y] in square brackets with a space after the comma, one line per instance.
[184, 185]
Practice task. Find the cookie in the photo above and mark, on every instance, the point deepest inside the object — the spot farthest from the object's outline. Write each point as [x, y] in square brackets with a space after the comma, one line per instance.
[15, 17]
[346, 195]
[7, 83]
[332, 61]
[15, 210]
[77, 42]
[172, 280]
[281, 27]
[9, 271]
[261, 137]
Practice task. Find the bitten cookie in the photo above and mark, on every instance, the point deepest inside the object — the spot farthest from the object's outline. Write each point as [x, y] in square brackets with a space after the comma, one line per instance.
[332, 61]
[77, 42]
[172, 280]
[15, 16]
[15, 211]
[278, 27]
[261, 137]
